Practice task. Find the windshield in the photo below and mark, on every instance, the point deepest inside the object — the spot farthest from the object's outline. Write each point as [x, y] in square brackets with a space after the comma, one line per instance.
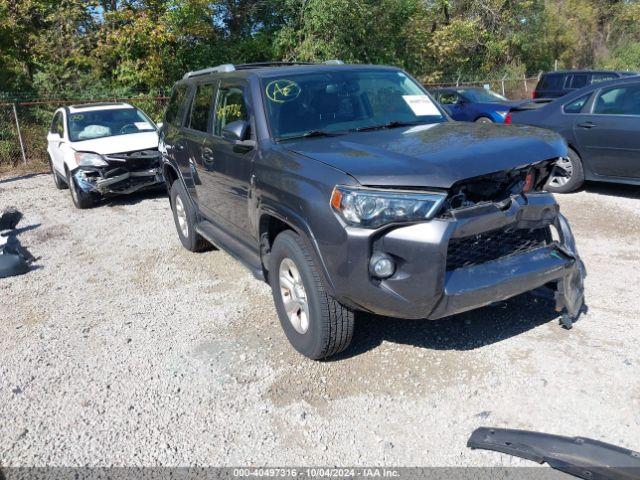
[107, 123]
[483, 95]
[340, 101]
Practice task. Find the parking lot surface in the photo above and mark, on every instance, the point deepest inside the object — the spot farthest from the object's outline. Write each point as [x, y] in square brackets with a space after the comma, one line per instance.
[122, 348]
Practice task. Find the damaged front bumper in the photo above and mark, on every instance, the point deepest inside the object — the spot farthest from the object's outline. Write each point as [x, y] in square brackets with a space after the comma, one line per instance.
[125, 173]
[477, 256]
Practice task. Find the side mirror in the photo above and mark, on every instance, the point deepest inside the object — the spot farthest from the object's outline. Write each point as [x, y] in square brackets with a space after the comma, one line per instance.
[159, 125]
[237, 131]
[54, 137]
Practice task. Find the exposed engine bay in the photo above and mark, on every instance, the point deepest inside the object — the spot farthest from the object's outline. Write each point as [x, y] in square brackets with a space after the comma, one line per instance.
[498, 187]
[125, 173]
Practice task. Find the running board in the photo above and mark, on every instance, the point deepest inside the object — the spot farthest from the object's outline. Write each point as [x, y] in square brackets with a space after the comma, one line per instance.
[238, 250]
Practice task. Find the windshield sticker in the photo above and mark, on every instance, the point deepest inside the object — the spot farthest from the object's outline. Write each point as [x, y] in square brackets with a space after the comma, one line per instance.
[143, 125]
[77, 117]
[281, 91]
[421, 105]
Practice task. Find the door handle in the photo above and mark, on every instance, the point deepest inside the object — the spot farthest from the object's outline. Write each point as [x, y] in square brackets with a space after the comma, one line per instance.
[207, 155]
[586, 125]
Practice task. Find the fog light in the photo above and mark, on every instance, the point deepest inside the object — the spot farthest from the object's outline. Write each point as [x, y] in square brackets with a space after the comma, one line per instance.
[381, 265]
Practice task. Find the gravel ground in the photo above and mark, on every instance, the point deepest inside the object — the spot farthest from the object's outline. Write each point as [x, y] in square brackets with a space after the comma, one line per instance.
[122, 348]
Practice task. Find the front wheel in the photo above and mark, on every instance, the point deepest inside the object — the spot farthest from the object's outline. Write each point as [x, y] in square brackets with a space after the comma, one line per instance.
[315, 324]
[567, 174]
[80, 198]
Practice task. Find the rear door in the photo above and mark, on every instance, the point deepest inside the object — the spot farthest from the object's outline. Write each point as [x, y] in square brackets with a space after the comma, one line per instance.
[56, 141]
[200, 145]
[232, 163]
[610, 135]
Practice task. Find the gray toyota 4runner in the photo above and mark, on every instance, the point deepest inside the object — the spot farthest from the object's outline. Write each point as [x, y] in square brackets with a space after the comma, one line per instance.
[347, 188]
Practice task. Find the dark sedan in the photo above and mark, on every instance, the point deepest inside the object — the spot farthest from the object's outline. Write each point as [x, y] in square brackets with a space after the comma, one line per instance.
[601, 124]
[474, 104]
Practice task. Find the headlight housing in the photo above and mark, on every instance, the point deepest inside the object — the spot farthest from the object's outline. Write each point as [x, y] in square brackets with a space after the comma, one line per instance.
[88, 159]
[372, 208]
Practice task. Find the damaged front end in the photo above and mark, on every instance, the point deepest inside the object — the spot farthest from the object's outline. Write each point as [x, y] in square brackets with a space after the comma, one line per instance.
[530, 222]
[496, 236]
[121, 173]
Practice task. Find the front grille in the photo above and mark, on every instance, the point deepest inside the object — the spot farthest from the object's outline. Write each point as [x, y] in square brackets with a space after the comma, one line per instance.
[489, 246]
[140, 160]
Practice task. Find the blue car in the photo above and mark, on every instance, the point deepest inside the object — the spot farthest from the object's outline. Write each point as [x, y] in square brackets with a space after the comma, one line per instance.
[474, 104]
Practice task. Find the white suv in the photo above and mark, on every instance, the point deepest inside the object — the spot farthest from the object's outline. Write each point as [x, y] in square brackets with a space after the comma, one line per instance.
[102, 149]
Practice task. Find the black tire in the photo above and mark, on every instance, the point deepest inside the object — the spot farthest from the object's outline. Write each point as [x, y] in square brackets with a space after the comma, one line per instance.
[190, 239]
[80, 199]
[576, 179]
[57, 180]
[330, 324]
[483, 119]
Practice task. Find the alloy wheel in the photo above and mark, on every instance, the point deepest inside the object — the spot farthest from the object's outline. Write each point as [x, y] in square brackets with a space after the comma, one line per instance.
[294, 296]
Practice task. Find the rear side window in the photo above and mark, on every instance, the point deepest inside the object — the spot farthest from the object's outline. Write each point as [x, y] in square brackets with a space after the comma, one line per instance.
[577, 105]
[201, 108]
[177, 97]
[619, 101]
[578, 80]
[602, 77]
[551, 82]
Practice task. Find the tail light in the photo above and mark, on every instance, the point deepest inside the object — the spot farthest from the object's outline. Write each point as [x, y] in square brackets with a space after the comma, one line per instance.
[507, 119]
[529, 182]
[534, 94]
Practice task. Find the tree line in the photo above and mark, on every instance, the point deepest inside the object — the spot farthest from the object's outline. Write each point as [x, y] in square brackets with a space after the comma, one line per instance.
[57, 47]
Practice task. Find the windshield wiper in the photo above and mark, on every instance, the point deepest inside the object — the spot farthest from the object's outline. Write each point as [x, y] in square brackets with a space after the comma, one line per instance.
[312, 133]
[391, 124]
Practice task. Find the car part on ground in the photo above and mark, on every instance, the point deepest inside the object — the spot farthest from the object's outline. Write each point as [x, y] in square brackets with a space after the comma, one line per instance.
[343, 207]
[599, 123]
[578, 456]
[14, 258]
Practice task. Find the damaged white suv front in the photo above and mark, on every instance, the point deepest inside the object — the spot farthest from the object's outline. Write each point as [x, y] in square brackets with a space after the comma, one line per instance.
[103, 149]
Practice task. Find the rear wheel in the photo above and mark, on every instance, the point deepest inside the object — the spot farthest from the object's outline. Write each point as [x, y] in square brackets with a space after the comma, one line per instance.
[186, 218]
[315, 324]
[80, 198]
[483, 120]
[567, 175]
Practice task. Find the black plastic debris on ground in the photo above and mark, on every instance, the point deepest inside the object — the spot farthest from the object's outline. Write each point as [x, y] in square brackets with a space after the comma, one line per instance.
[14, 258]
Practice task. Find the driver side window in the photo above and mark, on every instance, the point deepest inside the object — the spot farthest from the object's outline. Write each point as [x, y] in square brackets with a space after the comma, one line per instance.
[230, 107]
[57, 125]
[449, 98]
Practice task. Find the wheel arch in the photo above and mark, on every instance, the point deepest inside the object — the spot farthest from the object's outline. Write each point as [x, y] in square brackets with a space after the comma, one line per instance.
[272, 222]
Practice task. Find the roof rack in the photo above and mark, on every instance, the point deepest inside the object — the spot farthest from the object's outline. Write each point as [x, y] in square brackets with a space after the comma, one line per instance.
[228, 67]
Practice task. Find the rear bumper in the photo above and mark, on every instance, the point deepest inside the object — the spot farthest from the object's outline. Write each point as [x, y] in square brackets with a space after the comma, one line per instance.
[423, 287]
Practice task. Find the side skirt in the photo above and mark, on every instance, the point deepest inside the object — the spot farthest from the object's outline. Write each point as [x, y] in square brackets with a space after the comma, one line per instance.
[249, 257]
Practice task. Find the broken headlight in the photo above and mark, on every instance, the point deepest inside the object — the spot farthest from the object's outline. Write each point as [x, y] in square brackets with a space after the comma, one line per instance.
[87, 159]
[369, 208]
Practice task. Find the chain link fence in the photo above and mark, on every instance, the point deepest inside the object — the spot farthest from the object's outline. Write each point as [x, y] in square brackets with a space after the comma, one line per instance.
[24, 127]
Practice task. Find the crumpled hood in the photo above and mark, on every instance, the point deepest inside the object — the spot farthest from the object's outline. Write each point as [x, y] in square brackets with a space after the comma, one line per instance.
[118, 143]
[436, 155]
